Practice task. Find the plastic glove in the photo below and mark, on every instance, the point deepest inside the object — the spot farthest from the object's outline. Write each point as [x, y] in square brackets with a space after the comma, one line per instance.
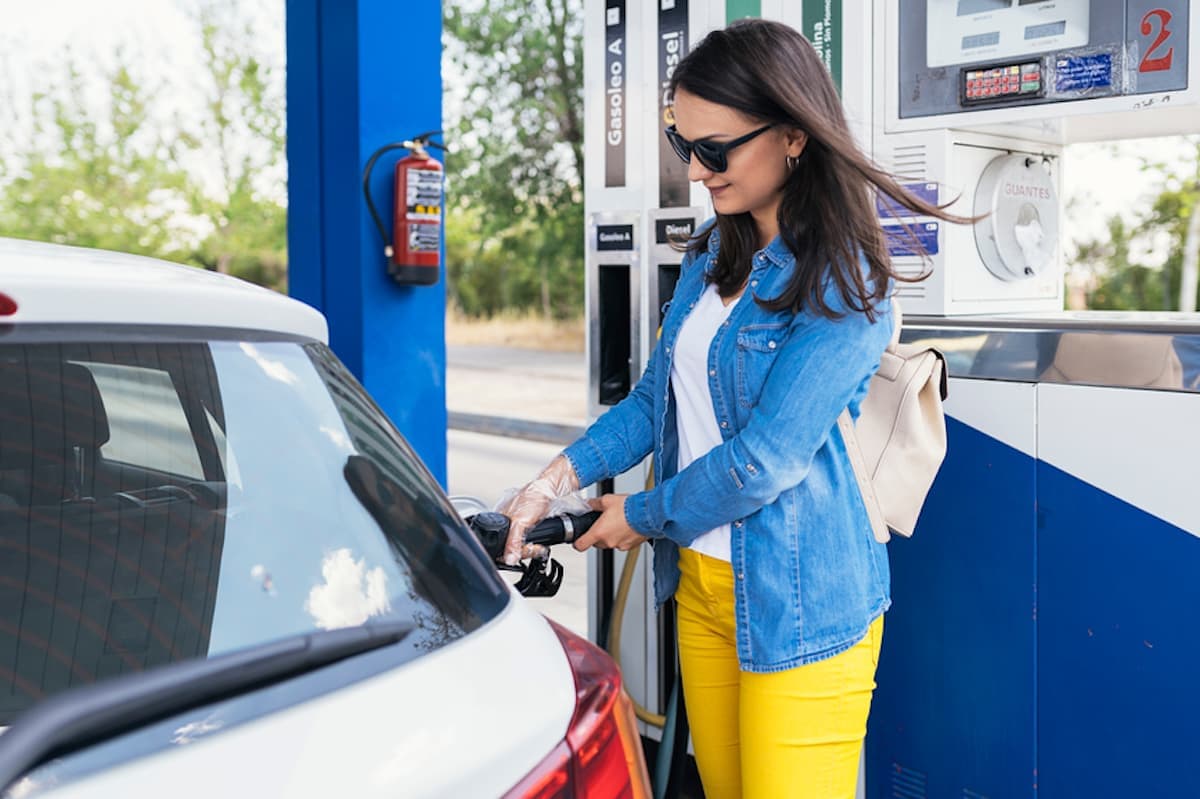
[532, 503]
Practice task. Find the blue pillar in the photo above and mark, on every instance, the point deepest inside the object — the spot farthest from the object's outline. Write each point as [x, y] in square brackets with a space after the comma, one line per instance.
[362, 74]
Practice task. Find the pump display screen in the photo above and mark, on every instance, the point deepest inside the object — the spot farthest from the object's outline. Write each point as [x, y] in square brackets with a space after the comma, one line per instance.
[969, 31]
[966, 7]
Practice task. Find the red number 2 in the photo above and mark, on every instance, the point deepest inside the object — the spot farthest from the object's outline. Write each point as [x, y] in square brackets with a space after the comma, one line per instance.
[1163, 63]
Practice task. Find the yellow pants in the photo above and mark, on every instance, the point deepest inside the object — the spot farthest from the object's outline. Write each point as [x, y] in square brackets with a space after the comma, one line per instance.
[794, 733]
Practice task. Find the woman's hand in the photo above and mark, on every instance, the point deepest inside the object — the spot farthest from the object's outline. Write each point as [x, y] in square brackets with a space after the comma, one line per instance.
[611, 530]
[532, 504]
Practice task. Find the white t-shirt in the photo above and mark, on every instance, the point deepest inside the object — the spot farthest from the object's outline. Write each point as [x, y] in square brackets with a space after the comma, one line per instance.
[694, 415]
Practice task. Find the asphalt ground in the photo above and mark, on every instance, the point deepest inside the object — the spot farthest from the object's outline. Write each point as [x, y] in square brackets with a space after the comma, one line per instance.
[533, 385]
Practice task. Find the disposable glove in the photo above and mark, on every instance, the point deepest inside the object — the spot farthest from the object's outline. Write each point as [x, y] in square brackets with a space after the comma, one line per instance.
[532, 503]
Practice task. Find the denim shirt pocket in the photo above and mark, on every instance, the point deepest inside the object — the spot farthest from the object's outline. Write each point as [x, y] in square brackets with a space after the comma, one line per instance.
[757, 348]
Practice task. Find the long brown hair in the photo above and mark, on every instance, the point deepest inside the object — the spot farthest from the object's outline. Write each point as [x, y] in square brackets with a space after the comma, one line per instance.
[827, 216]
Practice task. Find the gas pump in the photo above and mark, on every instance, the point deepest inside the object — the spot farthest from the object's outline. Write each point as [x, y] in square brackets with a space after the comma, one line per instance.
[1030, 648]
[1039, 638]
[639, 206]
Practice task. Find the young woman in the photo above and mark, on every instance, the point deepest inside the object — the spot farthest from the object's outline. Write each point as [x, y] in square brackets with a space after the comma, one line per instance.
[778, 321]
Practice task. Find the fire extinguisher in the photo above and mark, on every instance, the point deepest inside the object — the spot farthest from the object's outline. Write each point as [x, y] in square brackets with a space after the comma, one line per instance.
[414, 252]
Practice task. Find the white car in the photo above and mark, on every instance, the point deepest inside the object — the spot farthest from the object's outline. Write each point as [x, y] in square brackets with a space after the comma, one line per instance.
[223, 572]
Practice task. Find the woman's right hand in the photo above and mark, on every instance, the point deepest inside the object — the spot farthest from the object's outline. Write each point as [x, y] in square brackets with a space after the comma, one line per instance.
[531, 504]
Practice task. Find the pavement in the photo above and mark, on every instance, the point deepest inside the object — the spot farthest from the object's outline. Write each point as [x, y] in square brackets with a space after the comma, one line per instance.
[535, 385]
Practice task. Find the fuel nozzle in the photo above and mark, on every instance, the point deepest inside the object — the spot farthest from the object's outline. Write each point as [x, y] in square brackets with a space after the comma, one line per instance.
[541, 575]
[491, 529]
[561, 529]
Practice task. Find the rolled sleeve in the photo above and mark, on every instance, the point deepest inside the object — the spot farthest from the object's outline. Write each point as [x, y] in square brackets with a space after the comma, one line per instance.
[641, 517]
[587, 459]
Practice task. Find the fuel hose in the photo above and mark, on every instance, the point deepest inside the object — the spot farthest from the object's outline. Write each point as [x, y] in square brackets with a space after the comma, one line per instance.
[674, 722]
[614, 629]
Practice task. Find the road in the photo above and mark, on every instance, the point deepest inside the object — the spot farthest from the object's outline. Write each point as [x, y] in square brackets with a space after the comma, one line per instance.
[522, 384]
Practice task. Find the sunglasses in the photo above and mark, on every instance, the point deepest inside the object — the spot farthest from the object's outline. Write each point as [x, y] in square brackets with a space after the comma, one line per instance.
[713, 156]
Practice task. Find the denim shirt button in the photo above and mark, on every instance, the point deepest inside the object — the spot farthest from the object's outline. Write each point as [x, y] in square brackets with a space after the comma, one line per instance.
[753, 283]
[770, 346]
[712, 372]
[724, 424]
[741, 576]
[738, 524]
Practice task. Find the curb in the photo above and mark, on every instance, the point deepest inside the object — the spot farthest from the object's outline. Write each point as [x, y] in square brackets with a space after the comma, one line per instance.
[547, 432]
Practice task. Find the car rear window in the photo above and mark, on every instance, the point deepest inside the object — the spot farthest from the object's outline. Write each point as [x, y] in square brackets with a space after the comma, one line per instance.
[177, 499]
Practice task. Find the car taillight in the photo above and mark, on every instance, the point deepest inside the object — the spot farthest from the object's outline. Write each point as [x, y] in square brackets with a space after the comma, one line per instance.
[8, 306]
[601, 756]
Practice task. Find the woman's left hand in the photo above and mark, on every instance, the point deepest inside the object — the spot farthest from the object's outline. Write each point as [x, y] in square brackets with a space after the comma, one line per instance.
[611, 530]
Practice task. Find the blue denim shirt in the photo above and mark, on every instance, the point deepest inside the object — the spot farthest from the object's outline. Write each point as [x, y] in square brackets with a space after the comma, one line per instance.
[810, 575]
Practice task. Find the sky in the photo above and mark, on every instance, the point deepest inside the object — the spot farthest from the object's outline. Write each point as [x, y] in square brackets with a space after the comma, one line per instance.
[158, 41]
[1100, 180]
[39, 33]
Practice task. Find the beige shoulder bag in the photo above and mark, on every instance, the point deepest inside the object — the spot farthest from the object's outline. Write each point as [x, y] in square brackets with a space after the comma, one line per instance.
[899, 442]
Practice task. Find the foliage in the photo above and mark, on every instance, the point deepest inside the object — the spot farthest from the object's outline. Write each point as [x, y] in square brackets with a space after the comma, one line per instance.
[244, 125]
[131, 174]
[514, 225]
[110, 182]
[1123, 277]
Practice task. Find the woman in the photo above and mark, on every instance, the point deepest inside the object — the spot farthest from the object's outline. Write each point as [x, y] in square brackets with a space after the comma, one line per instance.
[778, 321]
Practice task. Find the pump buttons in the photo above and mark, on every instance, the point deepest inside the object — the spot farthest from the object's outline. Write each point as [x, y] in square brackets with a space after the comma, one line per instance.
[1018, 238]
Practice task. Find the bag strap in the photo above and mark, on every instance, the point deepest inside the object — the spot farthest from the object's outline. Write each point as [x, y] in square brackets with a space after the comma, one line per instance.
[897, 323]
[865, 486]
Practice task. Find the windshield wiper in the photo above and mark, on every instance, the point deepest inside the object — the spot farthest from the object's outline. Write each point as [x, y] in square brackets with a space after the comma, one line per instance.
[82, 716]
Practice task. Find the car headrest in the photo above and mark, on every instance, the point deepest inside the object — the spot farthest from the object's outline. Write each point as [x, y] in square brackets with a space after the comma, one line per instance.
[48, 407]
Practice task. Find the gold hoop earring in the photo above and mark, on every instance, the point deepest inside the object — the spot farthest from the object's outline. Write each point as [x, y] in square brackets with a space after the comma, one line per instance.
[792, 161]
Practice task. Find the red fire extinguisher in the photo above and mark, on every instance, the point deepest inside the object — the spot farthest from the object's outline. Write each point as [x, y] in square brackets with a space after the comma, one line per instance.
[414, 251]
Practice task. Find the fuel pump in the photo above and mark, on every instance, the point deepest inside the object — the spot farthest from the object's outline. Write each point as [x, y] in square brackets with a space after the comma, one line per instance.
[996, 598]
[1027, 555]
[637, 204]
[414, 249]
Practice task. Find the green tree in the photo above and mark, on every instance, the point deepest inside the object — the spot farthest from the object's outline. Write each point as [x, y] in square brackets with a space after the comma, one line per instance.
[243, 129]
[127, 175]
[106, 179]
[1122, 280]
[514, 173]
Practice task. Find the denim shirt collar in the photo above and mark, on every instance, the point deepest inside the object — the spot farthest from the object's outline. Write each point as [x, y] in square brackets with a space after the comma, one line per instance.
[777, 253]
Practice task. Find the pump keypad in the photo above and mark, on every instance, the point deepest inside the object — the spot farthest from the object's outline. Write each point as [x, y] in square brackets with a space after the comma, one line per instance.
[1004, 82]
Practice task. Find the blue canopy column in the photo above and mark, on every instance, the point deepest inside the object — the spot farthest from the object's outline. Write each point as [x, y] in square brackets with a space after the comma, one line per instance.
[362, 74]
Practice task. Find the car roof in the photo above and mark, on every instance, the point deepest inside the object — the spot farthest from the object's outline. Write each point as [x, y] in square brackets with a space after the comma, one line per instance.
[54, 283]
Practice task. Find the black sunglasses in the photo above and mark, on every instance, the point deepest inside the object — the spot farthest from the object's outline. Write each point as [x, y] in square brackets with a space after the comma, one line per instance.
[712, 155]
